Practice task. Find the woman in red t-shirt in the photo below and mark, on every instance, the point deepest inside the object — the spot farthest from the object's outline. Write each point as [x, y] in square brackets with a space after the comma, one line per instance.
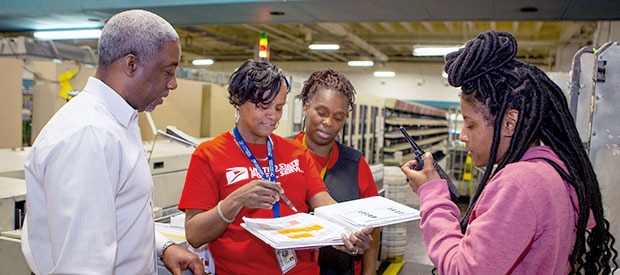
[232, 176]
[328, 97]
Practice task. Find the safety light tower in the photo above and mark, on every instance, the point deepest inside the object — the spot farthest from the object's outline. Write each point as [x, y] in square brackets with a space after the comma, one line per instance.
[263, 49]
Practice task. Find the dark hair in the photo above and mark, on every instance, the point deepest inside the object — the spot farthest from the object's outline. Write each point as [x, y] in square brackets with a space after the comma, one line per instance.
[488, 74]
[252, 80]
[328, 79]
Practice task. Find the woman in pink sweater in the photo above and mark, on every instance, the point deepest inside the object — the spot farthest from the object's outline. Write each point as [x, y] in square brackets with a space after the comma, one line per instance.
[531, 212]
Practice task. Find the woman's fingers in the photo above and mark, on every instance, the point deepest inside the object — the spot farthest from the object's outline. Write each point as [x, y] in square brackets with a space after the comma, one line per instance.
[274, 186]
[356, 243]
[260, 194]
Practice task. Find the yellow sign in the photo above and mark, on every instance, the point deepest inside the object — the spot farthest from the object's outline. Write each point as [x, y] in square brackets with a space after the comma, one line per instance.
[466, 175]
[65, 86]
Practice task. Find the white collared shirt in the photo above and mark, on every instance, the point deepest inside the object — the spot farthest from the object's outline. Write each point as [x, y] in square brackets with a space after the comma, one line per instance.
[89, 190]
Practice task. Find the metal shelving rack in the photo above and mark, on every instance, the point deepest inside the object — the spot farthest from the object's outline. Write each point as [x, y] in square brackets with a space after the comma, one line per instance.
[456, 149]
[363, 131]
[427, 125]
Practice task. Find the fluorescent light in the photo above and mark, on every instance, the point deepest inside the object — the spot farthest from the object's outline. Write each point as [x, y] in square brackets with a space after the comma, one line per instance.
[434, 51]
[68, 34]
[361, 63]
[324, 47]
[202, 62]
[384, 74]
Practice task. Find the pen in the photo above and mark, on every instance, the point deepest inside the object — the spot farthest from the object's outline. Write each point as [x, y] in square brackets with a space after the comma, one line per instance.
[288, 202]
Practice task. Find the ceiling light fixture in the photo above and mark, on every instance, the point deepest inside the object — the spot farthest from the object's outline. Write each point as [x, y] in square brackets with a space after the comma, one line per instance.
[324, 47]
[433, 50]
[203, 62]
[68, 34]
[384, 74]
[361, 63]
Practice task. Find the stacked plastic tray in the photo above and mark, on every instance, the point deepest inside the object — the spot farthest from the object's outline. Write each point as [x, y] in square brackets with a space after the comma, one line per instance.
[394, 237]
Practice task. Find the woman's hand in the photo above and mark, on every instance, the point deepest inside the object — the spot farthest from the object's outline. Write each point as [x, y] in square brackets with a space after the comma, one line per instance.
[417, 178]
[205, 226]
[257, 194]
[357, 243]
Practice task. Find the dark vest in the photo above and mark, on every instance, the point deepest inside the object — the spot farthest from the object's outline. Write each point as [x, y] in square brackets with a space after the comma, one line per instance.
[341, 181]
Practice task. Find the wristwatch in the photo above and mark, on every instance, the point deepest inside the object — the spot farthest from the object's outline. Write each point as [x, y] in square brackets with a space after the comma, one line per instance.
[163, 248]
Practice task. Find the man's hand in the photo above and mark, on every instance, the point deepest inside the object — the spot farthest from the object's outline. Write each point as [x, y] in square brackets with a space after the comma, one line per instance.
[357, 243]
[178, 259]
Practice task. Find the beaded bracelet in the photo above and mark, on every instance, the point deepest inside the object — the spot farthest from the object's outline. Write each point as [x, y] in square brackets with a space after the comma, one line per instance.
[219, 211]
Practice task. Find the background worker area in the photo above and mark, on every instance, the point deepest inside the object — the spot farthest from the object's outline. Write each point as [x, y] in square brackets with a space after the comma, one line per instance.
[136, 142]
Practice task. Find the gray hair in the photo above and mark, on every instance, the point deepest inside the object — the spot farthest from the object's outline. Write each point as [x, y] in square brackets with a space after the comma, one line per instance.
[138, 32]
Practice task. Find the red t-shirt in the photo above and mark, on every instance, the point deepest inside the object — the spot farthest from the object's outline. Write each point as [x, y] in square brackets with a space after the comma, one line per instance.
[218, 167]
[365, 180]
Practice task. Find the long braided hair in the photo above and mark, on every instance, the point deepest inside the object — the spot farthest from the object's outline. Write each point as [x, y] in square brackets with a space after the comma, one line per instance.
[488, 75]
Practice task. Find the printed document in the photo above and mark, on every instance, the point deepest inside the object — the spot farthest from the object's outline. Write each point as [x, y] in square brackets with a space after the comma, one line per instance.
[302, 230]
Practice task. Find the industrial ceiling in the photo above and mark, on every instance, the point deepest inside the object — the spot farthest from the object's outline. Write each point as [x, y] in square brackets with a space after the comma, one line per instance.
[382, 31]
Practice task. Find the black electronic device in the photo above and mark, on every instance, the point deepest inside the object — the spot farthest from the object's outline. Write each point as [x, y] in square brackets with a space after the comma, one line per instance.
[419, 156]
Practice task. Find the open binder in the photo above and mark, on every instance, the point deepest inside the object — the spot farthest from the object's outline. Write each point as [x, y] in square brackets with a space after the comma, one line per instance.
[303, 230]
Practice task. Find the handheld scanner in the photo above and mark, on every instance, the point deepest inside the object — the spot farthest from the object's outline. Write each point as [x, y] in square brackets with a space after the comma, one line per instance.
[419, 157]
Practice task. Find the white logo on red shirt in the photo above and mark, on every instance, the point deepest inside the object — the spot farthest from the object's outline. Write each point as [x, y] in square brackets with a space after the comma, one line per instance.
[236, 174]
[282, 169]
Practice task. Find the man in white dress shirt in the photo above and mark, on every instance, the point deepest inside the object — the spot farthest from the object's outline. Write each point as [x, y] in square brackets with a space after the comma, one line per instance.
[89, 187]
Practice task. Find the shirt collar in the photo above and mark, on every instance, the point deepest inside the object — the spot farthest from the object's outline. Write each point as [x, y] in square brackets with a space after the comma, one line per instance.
[333, 157]
[539, 152]
[120, 109]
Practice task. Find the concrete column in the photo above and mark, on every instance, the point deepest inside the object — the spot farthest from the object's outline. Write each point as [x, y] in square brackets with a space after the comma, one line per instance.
[564, 57]
[606, 31]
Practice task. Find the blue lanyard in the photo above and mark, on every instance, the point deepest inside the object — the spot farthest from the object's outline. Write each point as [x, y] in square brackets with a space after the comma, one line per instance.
[272, 168]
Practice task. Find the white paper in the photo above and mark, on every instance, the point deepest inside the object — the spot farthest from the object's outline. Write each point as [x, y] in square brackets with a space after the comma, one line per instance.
[372, 211]
[298, 231]
[302, 230]
[172, 130]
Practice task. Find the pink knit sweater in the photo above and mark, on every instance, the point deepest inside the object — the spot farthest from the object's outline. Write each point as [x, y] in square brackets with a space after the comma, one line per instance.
[524, 222]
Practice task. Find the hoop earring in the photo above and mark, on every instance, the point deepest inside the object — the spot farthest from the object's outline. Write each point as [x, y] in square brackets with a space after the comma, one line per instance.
[303, 124]
[277, 125]
[237, 116]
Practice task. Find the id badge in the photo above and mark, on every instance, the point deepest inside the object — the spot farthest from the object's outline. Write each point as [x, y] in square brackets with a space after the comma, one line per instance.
[286, 259]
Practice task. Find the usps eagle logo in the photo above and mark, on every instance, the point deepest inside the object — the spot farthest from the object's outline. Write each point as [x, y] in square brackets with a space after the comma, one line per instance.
[236, 174]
